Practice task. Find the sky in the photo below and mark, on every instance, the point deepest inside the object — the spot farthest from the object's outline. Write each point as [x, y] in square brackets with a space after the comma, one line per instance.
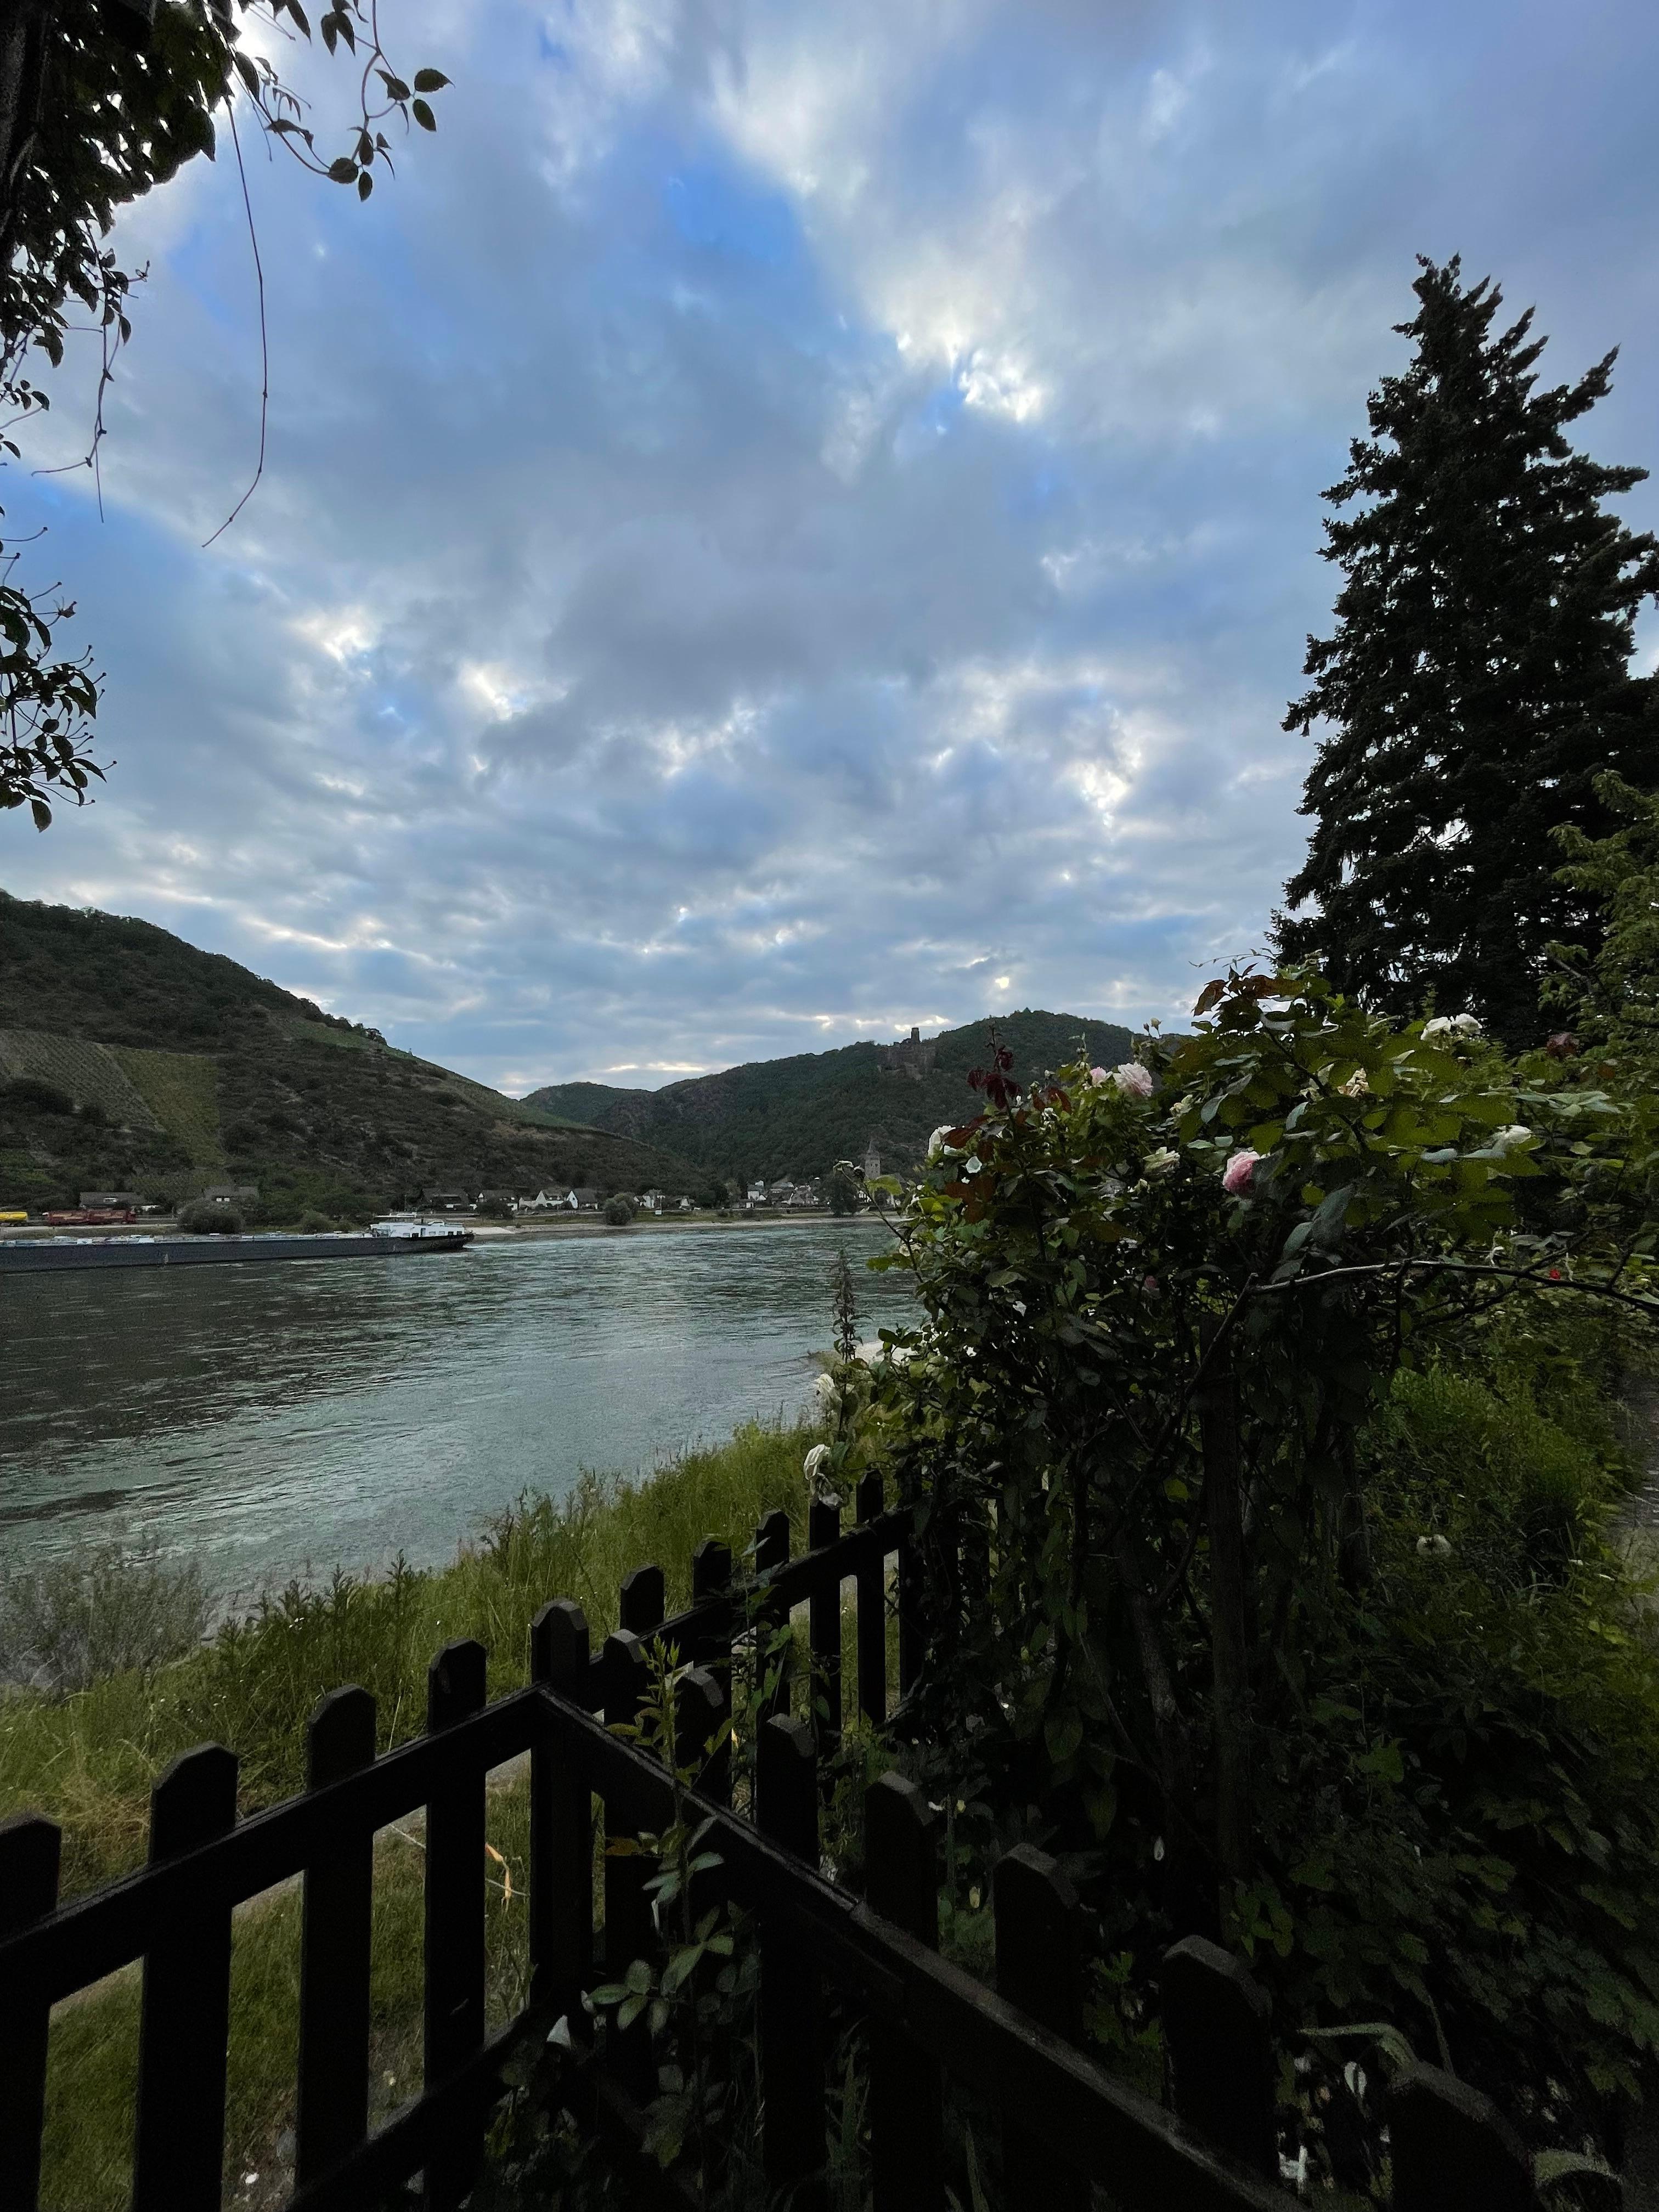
[785, 522]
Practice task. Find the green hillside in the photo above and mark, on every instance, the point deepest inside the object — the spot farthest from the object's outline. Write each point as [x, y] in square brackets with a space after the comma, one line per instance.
[128, 1059]
[799, 1116]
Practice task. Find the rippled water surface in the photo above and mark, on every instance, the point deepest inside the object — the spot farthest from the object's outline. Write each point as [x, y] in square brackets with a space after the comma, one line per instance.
[272, 1418]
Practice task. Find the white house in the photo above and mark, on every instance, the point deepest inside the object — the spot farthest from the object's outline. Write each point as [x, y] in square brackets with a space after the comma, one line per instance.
[543, 1202]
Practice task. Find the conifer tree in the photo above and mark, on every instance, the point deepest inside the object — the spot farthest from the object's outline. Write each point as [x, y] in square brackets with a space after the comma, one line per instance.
[1477, 679]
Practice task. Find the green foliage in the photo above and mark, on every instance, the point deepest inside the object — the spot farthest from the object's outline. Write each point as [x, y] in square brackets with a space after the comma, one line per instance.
[1477, 679]
[35, 1094]
[844, 1189]
[1611, 995]
[210, 1217]
[1171, 1480]
[618, 1212]
[90, 120]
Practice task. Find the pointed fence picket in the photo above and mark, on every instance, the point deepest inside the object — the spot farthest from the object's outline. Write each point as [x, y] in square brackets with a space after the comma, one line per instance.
[1067, 2125]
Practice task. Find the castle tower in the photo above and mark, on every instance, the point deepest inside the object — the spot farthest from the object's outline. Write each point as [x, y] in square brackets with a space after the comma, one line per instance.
[872, 1160]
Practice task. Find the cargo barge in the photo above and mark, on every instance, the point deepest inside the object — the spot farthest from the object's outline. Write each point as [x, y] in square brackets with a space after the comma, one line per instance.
[387, 1240]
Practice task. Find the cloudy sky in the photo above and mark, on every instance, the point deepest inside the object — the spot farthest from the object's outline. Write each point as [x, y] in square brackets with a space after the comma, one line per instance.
[790, 520]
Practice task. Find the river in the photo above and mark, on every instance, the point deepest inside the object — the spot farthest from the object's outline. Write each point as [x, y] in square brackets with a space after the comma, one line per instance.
[281, 1418]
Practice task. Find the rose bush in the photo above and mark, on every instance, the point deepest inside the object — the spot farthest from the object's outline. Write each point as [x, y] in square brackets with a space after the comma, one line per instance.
[1159, 1316]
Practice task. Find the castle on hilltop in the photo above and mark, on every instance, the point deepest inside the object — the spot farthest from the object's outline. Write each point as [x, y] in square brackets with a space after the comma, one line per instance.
[909, 1056]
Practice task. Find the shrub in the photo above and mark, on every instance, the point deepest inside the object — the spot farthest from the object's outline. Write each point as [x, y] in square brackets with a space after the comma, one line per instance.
[618, 1212]
[1171, 1480]
[105, 1612]
[208, 1216]
[34, 1091]
[313, 1224]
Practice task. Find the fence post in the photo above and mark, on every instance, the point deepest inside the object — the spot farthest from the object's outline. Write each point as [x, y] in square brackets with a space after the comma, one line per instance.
[560, 1828]
[1040, 1949]
[911, 1626]
[871, 1588]
[455, 2023]
[901, 1857]
[699, 1713]
[771, 1552]
[711, 1594]
[1452, 2148]
[628, 1927]
[1219, 2051]
[791, 1998]
[31, 1853]
[184, 2014]
[824, 1630]
[332, 2116]
[640, 1601]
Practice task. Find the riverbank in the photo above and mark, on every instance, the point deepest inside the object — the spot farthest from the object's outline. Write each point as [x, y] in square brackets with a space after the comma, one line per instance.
[89, 1760]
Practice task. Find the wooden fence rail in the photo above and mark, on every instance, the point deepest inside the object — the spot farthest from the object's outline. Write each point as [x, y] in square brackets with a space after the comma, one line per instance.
[1066, 2124]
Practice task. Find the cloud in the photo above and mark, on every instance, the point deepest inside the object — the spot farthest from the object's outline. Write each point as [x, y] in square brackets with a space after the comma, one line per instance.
[781, 524]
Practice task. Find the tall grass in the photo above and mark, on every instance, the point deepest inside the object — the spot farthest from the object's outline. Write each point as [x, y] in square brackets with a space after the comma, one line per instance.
[89, 1758]
[103, 1612]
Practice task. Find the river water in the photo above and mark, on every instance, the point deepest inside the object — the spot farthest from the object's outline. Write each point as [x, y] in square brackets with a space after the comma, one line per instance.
[283, 1417]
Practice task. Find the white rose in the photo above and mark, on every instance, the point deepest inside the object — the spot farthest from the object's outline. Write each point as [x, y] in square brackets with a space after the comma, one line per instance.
[1516, 1133]
[936, 1142]
[1439, 1027]
[1161, 1162]
[1133, 1081]
[815, 1462]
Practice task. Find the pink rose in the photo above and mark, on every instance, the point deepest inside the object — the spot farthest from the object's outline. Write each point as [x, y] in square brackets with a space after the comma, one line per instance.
[1133, 1081]
[1239, 1174]
[1097, 1075]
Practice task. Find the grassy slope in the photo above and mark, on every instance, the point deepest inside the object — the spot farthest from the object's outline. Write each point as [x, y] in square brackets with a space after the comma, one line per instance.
[89, 1761]
[248, 1082]
[797, 1116]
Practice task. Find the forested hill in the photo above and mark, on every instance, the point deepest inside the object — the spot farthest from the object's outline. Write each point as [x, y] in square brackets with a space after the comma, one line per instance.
[799, 1116]
[128, 1059]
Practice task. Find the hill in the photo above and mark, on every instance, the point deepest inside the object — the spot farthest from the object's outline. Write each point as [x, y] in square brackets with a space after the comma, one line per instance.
[128, 1059]
[799, 1116]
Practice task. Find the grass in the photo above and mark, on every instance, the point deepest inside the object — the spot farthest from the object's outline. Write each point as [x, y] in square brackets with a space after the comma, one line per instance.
[103, 1612]
[88, 1760]
[181, 1089]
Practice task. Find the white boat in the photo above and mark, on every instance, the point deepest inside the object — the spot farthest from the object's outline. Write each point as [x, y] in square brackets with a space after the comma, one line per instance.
[417, 1227]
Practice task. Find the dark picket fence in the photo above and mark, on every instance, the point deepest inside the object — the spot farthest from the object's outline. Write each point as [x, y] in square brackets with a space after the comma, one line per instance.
[1067, 2125]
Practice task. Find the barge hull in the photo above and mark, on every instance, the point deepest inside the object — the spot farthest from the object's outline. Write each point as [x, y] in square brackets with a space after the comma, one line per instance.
[18, 1256]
